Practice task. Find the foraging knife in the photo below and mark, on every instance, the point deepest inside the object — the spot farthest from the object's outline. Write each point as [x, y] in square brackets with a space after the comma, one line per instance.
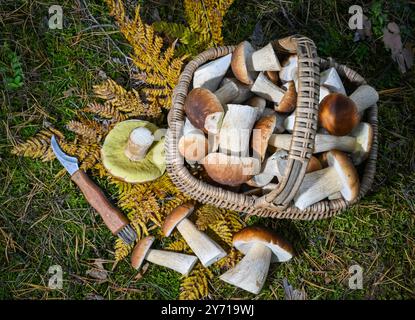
[113, 218]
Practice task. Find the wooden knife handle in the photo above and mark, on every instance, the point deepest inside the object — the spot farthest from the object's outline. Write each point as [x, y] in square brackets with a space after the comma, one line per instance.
[113, 218]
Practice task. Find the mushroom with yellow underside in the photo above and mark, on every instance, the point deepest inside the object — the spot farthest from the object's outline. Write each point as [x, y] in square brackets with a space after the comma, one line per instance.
[130, 153]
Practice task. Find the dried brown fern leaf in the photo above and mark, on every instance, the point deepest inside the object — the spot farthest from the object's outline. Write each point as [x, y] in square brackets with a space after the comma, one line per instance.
[106, 111]
[88, 132]
[161, 68]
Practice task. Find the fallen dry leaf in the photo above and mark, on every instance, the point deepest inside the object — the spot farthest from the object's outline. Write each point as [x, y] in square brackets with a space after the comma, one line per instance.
[142, 272]
[292, 294]
[392, 40]
[98, 272]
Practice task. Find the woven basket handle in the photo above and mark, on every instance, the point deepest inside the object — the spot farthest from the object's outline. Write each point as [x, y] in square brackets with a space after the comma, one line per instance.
[305, 126]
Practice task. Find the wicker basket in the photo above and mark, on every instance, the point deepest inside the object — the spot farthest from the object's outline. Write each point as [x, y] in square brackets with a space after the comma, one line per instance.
[277, 203]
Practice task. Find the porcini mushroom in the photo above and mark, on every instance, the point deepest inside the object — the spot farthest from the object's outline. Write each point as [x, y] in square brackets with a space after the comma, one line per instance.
[339, 114]
[275, 166]
[210, 75]
[236, 129]
[287, 44]
[201, 103]
[261, 247]
[331, 80]
[193, 145]
[262, 131]
[289, 100]
[207, 250]
[358, 143]
[265, 88]
[182, 263]
[130, 154]
[230, 170]
[246, 61]
[340, 176]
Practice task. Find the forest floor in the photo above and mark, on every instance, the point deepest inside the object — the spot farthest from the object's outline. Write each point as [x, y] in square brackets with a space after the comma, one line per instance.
[44, 221]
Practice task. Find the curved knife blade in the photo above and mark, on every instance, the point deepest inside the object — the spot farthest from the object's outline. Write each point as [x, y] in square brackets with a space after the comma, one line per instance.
[70, 163]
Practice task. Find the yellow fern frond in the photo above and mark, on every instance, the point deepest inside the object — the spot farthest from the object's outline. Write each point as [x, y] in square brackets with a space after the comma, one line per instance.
[88, 131]
[231, 259]
[122, 250]
[106, 111]
[196, 285]
[161, 67]
[38, 146]
[207, 215]
[223, 231]
[179, 245]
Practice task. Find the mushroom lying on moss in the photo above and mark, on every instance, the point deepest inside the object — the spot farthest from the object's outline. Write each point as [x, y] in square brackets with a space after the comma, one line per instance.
[130, 153]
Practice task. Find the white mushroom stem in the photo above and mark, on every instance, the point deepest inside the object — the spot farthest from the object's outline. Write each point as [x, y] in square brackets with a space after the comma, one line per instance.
[227, 93]
[289, 69]
[204, 248]
[331, 79]
[138, 143]
[210, 74]
[316, 186]
[193, 145]
[251, 272]
[324, 92]
[236, 129]
[265, 59]
[335, 196]
[213, 122]
[364, 97]
[182, 263]
[323, 142]
[272, 167]
[244, 91]
[265, 88]
[279, 126]
[289, 122]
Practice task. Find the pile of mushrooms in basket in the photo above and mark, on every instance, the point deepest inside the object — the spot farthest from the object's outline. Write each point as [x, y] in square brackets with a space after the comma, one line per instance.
[240, 114]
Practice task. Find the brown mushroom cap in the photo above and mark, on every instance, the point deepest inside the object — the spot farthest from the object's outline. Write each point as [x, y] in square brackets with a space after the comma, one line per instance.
[193, 147]
[199, 104]
[313, 165]
[178, 214]
[262, 131]
[240, 61]
[338, 114]
[289, 100]
[140, 251]
[230, 170]
[346, 172]
[273, 76]
[281, 249]
[287, 44]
